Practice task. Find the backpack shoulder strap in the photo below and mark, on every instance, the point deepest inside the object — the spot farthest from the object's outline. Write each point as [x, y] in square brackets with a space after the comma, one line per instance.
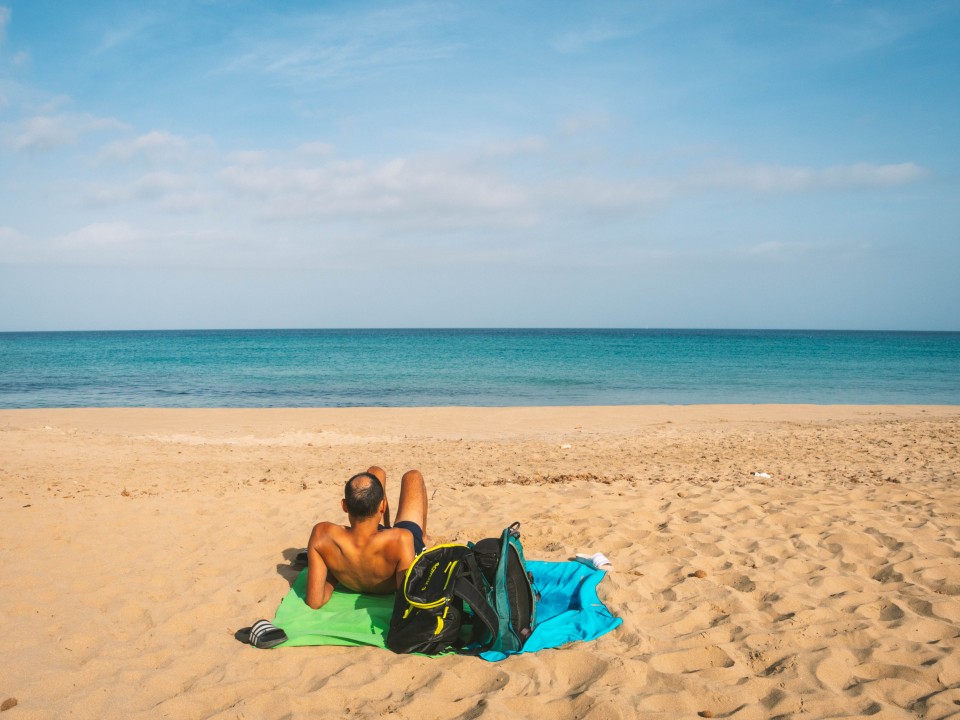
[470, 587]
[430, 579]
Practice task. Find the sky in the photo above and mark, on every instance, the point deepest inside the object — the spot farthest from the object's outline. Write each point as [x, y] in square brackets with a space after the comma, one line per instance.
[688, 164]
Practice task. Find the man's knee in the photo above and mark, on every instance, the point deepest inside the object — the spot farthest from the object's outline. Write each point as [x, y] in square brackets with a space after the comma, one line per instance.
[377, 472]
[413, 476]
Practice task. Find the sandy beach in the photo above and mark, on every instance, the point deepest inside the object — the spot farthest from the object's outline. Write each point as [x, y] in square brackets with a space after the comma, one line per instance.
[134, 543]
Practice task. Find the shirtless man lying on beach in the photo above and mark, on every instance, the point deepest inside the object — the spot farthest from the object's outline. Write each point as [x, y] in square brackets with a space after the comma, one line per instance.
[369, 556]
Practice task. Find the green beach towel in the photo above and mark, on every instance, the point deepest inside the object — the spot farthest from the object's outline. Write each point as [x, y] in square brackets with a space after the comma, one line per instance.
[569, 610]
[348, 618]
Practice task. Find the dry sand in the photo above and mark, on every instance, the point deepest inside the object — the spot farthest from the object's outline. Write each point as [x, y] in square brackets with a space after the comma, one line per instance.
[135, 542]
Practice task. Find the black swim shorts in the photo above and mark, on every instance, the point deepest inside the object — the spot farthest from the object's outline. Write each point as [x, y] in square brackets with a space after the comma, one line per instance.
[416, 531]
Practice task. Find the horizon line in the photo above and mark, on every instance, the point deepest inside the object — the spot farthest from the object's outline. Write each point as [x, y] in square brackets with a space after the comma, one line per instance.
[478, 328]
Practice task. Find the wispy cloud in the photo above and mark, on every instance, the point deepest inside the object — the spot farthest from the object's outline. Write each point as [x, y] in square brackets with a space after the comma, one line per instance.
[124, 31]
[529, 145]
[14, 246]
[604, 195]
[577, 124]
[584, 38]
[481, 189]
[866, 29]
[170, 192]
[4, 22]
[101, 234]
[790, 179]
[156, 146]
[9, 234]
[775, 250]
[315, 149]
[321, 46]
[401, 188]
[45, 132]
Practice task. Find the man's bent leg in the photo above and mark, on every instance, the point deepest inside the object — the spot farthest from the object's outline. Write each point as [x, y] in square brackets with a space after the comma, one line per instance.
[380, 474]
[413, 500]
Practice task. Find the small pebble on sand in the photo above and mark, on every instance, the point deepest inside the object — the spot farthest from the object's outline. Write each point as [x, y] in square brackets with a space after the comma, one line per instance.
[7, 704]
[697, 574]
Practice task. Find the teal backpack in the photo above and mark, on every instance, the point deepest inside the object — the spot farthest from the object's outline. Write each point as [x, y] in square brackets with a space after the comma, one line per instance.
[466, 598]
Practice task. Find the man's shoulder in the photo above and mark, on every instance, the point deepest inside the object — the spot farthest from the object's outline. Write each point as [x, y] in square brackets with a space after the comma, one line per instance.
[327, 529]
[395, 533]
[399, 541]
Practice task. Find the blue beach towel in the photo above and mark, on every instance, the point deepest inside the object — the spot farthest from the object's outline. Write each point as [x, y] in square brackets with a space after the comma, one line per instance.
[569, 610]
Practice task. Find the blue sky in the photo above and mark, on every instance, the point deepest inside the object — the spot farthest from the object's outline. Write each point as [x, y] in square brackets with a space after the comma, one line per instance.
[226, 164]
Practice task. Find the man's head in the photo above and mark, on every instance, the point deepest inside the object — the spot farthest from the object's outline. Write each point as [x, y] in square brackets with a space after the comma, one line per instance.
[363, 496]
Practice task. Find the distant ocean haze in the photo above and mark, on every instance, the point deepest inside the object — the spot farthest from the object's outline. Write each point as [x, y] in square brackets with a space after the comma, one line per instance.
[343, 368]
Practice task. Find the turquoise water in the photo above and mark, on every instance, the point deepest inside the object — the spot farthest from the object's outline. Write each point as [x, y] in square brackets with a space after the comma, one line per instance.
[338, 368]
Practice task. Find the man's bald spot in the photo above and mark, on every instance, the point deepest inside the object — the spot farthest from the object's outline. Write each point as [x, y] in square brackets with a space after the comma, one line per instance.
[363, 494]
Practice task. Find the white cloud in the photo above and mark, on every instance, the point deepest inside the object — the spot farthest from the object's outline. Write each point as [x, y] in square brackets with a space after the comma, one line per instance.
[774, 250]
[156, 146]
[578, 124]
[51, 105]
[177, 193]
[480, 189]
[14, 246]
[402, 188]
[593, 194]
[247, 157]
[9, 234]
[45, 132]
[360, 43]
[529, 145]
[124, 32]
[316, 149]
[4, 22]
[126, 244]
[21, 59]
[158, 184]
[581, 39]
[96, 243]
[100, 235]
[787, 179]
[188, 202]
[866, 175]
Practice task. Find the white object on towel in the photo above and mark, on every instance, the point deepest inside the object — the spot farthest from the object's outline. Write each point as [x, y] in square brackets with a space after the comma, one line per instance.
[597, 561]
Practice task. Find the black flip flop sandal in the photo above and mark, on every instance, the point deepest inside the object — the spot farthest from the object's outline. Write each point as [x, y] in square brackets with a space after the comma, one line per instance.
[262, 634]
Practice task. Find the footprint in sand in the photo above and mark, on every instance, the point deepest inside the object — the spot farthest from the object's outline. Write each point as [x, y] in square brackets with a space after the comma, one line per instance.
[833, 585]
[688, 661]
[834, 668]
[886, 671]
[880, 610]
[887, 574]
[924, 630]
[740, 583]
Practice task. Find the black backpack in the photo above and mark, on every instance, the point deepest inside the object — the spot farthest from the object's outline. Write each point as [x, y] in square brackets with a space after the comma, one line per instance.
[468, 598]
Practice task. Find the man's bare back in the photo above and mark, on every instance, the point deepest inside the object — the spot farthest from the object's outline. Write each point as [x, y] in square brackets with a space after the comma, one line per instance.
[366, 557]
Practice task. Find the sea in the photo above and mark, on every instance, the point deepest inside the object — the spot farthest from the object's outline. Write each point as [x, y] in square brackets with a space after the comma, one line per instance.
[475, 367]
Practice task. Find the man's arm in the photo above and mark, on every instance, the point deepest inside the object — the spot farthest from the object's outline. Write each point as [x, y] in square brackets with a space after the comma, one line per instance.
[319, 588]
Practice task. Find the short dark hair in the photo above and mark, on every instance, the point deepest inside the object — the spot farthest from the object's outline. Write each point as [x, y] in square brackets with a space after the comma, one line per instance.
[363, 494]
